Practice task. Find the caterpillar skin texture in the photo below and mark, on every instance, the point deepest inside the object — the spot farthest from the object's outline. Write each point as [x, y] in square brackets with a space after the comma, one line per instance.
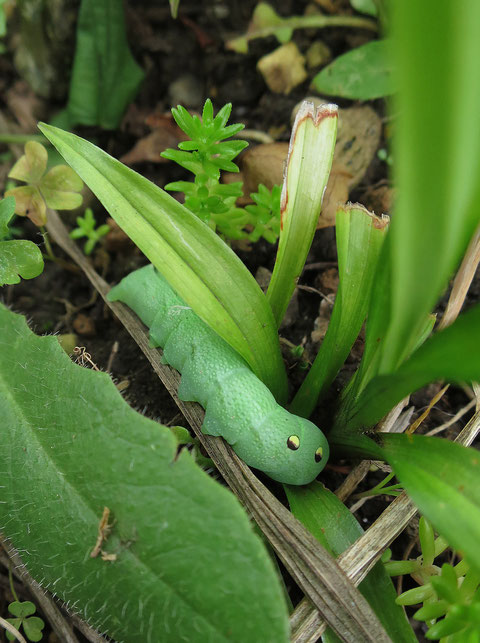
[238, 406]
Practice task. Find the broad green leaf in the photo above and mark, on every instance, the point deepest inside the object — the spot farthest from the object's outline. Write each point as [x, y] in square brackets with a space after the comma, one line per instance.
[19, 259]
[329, 520]
[195, 261]
[307, 169]
[184, 554]
[7, 210]
[363, 73]
[365, 6]
[452, 354]
[443, 480]
[437, 159]
[360, 237]
[105, 76]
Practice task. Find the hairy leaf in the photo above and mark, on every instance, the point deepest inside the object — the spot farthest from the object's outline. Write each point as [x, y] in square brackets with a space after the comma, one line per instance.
[177, 557]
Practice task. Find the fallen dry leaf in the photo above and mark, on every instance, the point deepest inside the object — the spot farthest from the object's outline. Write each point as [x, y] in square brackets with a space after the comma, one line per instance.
[263, 164]
[84, 325]
[165, 134]
[320, 324]
[379, 199]
[328, 280]
[25, 106]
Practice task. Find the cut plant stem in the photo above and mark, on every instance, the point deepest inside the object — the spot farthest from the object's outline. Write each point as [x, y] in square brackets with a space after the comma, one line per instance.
[308, 166]
[360, 236]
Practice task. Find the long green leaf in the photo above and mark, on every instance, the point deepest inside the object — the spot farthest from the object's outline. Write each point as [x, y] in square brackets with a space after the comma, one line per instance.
[360, 237]
[437, 159]
[105, 76]
[443, 480]
[193, 259]
[452, 354]
[329, 520]
[184, 554]
[307, 169]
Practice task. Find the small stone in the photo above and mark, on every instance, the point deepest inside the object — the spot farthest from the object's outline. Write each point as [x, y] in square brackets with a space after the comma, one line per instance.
[84, 325]
[318, 54]
[283, 69]
[187, 91]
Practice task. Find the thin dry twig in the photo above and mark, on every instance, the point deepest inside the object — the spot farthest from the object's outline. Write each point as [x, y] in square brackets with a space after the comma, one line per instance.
[13, 630]
[462, 281]
[454, 418]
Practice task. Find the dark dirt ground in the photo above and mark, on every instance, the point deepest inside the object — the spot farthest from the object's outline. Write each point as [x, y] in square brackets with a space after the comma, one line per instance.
[62, 301]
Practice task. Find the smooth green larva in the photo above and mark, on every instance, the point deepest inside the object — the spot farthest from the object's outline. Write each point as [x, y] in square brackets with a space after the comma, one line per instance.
[238, 406]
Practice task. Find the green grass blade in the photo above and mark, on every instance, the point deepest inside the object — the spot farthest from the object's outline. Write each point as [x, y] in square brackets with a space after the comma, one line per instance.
[186, 554]
[329, 520]
[437, 159]
[452, 354]
[194, 260]
[308, 166]
[443, 479]
[360, 237]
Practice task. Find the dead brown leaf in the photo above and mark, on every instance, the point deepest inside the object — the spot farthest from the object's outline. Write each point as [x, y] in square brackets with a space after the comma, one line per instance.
[165, 134]
[25, 106]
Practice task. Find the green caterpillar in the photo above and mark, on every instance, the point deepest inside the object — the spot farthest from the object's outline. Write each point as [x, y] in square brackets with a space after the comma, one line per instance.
[238, 406]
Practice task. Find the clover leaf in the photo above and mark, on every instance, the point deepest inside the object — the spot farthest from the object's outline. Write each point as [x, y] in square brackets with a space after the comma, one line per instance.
[58, 188]
[32, 625]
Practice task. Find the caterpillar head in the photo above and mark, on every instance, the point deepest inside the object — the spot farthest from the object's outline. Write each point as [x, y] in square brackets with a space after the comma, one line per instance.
[295, 449]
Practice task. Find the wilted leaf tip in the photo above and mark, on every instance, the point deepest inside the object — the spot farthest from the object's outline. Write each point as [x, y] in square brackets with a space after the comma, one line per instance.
[317, 114]
[379, 221]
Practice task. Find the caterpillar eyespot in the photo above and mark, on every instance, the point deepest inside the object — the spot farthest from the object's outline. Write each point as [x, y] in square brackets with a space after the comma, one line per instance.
[293, 442]
[239, 407]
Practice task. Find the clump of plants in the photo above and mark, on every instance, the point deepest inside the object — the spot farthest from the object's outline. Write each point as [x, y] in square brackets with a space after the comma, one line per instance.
[206, 155]
[139, 521]
[450, 594]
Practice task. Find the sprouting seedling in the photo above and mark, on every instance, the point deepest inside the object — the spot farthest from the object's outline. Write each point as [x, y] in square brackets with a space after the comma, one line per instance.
[266, 213]
[206, 154]
[382, 488]
[22, 613]
[86, 228]
[450, 594]
[57, 189]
